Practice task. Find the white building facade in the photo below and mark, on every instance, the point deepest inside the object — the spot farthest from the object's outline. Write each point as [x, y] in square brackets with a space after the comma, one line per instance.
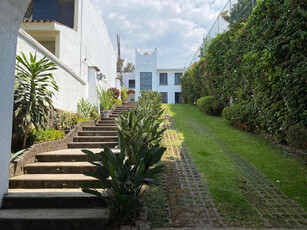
[148, 77]
[72, 34]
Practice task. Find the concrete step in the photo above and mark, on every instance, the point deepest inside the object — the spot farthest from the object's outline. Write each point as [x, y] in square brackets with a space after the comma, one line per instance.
[90, 145]
[58, 168]
[54, 219]
[120, 110]
[107, 118]
[99, 128]
[50, 181]
[67, 155]
[51, 198]
[95, 139]
[126, 107]
[106, 124]
[97, 133]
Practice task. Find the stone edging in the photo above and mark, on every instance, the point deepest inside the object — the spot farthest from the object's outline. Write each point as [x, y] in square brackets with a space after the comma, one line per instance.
[29, 155]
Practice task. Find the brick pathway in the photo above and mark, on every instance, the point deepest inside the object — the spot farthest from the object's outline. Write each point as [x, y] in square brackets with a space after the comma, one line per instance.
[190, 203]
[275, 207]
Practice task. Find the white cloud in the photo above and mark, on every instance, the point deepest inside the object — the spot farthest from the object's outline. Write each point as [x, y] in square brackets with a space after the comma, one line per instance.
[174, 27]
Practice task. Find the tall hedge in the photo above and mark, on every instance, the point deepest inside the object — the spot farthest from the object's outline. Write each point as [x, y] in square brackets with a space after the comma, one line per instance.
[259, 64]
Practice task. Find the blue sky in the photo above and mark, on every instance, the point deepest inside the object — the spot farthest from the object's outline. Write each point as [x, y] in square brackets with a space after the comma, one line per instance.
[174, 27]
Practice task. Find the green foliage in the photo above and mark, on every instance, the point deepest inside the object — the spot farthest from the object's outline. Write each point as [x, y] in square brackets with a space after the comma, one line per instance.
[154, 200]
[141, 124]
[259, 64]
[135, 166]
[67, 120]
[241, 10]
[123, 94]
[129, 67]
[296, 136]
[118, 101]
[16, 155]
[237, 117]
[87, 109]
[150, 100]
[106, 98]
[210, 105]
[33, 91]
[44, 135]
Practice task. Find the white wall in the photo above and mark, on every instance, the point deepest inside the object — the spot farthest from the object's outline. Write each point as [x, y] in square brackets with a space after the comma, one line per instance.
[127, 77]
[86, 45]
[145, 63]
[97, 46]
[148, 63]
[170, 88]
[11, 15]
[71, 87]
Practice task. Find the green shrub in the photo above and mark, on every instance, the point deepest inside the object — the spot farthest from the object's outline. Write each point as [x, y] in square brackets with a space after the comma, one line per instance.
[34, 89]
[123, 94]
[118, 101]
[87, 109]
[44, 135]
[260, 64]
[199, 103]
[139, 139]
[296, 136]
[210, 105]
[217, 107]
[234, 114]
[68, 120]
[238, 116]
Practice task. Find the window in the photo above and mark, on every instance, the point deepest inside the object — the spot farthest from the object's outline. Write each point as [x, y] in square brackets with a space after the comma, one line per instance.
[164, 97]
[145, 80]
[45, 9]
[66, 12]
[131, 84]
[178, 98]
[163, 78]
[59, 10]
[177, 78]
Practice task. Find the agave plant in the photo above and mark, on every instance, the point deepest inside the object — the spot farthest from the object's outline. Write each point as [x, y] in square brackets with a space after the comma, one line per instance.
[16, 156]
[85, 108]
[33, 97]
[105, 97]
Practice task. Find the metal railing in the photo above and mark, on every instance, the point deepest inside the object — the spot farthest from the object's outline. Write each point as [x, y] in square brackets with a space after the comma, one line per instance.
[233, 11]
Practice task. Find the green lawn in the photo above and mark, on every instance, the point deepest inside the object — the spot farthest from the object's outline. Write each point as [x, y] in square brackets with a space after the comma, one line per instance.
[225, 182]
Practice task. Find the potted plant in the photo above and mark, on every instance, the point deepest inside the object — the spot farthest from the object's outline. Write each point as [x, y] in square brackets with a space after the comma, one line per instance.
[106, 101]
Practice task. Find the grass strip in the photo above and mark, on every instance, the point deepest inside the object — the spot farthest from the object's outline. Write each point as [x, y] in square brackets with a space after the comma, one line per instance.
[223, 180]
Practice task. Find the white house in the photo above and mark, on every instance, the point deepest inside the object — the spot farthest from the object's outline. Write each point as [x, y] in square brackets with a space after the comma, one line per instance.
[148, 77]
[72, 34]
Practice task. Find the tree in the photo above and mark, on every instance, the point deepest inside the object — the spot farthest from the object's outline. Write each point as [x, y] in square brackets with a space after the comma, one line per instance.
[33, 91]
[120, 65]
[129, 67]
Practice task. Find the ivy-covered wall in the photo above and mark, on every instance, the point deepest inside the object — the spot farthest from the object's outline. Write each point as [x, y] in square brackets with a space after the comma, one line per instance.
[260, 64]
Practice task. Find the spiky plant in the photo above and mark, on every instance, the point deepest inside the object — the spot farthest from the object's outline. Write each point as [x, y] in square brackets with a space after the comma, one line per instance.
[34, 87]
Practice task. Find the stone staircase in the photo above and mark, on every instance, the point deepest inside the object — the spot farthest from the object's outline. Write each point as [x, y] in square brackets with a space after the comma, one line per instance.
[47, 195]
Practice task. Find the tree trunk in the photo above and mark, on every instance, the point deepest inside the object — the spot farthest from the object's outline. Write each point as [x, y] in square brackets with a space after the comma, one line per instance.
[25, 136]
